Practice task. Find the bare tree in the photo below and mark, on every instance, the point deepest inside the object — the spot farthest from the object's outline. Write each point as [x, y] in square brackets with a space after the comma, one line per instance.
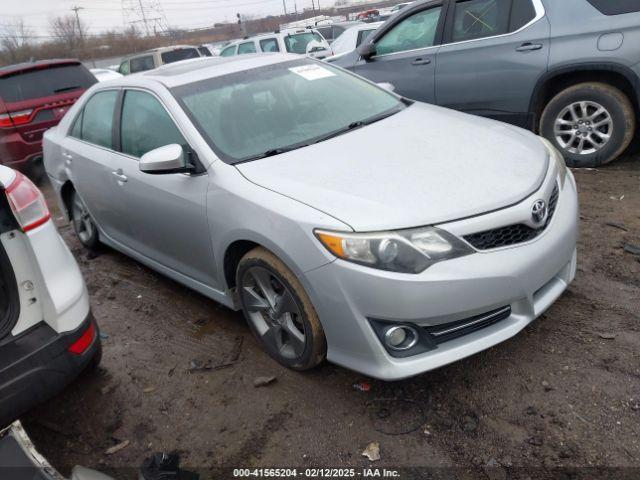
[15, 41]
[70, 33]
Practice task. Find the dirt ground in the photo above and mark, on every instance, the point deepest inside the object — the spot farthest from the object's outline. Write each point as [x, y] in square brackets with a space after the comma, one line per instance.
[561, 398]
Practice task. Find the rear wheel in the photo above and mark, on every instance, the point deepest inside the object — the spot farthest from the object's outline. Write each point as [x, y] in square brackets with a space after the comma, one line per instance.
[83, 224]
[279, 311]
[590, 123]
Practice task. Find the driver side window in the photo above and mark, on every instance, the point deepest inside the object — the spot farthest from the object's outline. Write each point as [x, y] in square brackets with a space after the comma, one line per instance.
[412, 33]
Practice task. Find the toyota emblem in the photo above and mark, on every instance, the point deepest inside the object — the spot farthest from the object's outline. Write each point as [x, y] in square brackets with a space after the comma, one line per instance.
[539, 211]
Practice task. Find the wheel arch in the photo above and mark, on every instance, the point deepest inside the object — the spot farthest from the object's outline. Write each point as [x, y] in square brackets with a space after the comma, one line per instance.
[66, 194]
[556, 80]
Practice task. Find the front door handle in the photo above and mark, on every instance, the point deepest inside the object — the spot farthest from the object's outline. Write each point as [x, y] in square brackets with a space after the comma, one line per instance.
[67, 157]
[421, 61]
[120, 176]
[529, 47]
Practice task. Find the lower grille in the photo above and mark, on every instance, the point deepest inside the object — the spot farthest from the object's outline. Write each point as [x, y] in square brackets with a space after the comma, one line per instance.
[512, 234]
[449, 331]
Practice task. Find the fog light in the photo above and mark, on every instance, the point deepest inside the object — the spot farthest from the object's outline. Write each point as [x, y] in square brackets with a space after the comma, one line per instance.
[401, 337]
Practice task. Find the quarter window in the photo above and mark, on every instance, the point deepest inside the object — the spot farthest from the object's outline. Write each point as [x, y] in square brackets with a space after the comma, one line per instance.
[414, 32]
[617, 7]
[146, 125]
[228, 52]
[142, 64]
[124, 68]
[248, 47]
[97, 119]
[269, 45]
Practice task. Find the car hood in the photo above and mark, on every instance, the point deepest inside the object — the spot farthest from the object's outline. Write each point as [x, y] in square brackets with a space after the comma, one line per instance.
[423, 166]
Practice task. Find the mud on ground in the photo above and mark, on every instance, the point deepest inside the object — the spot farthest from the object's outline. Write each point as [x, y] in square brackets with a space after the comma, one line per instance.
[564, 392]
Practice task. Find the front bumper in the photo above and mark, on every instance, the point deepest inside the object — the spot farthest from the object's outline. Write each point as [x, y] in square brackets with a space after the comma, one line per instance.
[36, 365]
[527, 277]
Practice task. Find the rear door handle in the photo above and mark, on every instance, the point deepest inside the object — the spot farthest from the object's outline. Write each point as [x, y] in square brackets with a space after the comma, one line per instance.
[68, 157]
[421, 61]
[529, 47]
[120, 176]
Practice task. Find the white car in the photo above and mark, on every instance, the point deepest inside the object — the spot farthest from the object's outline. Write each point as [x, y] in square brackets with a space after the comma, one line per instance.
[104, 74]
[302, 41]
[351, 39]
[47, 333]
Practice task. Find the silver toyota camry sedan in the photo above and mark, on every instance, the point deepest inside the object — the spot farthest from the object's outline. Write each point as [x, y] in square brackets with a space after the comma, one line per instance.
[388, 236]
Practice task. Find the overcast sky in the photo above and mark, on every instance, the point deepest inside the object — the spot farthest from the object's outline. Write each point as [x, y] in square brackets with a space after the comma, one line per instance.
[100, 15]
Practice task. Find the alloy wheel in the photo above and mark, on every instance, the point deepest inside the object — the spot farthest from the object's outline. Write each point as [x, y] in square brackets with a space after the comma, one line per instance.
[274, 312]
[583, 128]
[82, 220]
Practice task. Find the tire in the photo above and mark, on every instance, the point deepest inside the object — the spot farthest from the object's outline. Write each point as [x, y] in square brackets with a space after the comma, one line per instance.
[259, 271]
[84, 226]
[611, 131]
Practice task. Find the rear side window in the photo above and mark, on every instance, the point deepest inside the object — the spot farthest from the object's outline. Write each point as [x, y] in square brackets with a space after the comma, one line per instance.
[616, 7]
[248, 47]
[97, 119]
[269, 45]
[480, 18]
[179, 54]
[45, 82]
[204, 51]
[141, 109]
[298, 42]
[142, 64]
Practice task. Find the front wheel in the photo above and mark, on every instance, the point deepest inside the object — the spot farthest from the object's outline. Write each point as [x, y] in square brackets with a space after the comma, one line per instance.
[279, 311]
[83, 224]
[590, 123]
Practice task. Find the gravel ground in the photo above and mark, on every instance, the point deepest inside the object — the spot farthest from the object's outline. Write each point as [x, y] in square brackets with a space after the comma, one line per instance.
[561, 397]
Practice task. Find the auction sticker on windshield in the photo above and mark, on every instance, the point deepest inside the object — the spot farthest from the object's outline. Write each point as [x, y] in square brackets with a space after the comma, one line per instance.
[312, 72]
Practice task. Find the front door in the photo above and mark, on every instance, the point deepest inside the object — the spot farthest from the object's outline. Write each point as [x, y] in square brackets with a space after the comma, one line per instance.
[166, 213]
[406, 54]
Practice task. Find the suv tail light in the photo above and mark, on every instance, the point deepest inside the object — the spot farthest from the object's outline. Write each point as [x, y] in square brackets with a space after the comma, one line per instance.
[15, 118]
[27, 202]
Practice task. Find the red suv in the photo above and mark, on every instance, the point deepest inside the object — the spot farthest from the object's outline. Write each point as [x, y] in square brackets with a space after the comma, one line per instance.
[34, 97]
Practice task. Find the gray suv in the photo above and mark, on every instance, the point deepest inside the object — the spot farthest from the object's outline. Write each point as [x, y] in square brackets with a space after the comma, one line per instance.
[569, 70]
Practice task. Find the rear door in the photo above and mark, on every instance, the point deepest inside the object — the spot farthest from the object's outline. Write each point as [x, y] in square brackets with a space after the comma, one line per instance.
[493, 54]
[406, 53]
[166, 213]
[88, 151]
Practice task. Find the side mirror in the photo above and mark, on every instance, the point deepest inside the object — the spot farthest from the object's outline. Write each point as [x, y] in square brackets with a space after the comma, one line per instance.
[387, 86]
[167, 159]
[367, 50]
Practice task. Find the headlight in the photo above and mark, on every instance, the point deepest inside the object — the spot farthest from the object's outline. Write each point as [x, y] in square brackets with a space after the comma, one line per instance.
[556, 157]
[407, 251]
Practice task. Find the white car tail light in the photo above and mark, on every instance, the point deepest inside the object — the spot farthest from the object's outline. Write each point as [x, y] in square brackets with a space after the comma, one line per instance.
[27, 202]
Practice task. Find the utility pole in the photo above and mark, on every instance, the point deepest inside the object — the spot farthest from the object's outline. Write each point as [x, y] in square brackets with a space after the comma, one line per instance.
[76, 9]
[284, 5]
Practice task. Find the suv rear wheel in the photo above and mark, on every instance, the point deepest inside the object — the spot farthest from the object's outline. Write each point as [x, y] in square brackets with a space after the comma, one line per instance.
[590, 123]
[279, 311]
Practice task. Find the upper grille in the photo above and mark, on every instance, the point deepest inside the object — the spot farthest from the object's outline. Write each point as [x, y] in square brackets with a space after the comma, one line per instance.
[512, 234]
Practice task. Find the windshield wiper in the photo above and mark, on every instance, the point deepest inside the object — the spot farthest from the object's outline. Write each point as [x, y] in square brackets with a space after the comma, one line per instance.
[358, 124]
[273, 152]
[66, 89]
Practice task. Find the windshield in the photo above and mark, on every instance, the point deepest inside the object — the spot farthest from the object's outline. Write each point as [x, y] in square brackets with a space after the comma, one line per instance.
[263, 111]
[179, 54]
[297, 43]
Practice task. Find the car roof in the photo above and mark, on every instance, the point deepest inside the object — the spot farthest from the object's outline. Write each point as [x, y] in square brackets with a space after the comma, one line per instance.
[193, 70]
[37, 65]
[158, 49]
[280, 33]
